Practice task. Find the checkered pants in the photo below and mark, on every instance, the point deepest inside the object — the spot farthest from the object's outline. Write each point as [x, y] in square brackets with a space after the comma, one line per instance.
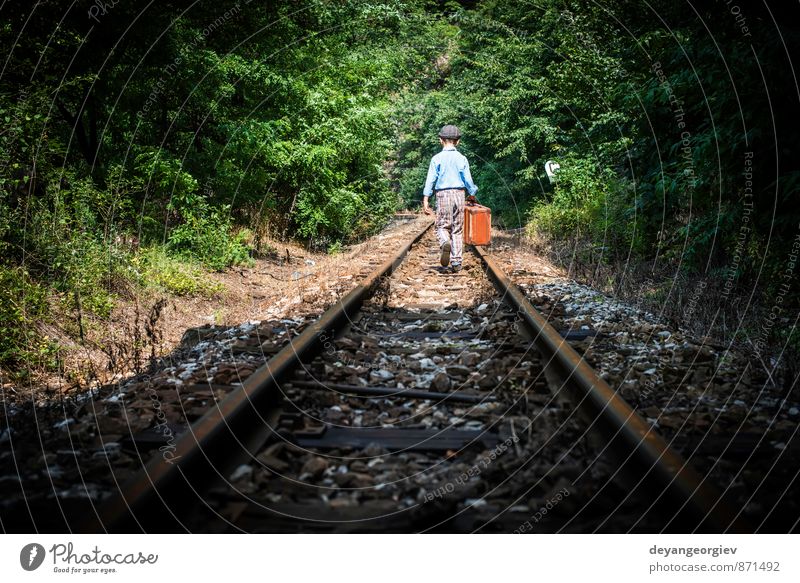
[450, 221]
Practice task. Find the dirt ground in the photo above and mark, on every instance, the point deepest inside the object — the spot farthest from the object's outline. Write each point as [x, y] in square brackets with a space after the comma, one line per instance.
[145, 327]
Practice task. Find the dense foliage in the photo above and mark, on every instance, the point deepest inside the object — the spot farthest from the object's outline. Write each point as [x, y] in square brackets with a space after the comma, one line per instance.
[654, 112]
[194, 128]
[134, 141]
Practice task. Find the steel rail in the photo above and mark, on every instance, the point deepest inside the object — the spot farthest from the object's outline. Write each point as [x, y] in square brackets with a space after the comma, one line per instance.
[647, 459]
[158, 498]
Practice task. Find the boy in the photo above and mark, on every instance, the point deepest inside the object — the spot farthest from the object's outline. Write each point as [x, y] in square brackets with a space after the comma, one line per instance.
[449, 178]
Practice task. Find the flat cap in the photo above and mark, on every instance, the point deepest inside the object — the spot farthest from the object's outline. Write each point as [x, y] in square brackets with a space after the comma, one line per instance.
[449, 132]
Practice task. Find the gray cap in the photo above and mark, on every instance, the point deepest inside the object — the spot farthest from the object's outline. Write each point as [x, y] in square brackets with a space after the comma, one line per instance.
[449, 132]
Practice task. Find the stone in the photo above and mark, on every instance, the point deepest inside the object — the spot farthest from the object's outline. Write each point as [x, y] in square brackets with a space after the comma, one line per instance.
[381, 375]
[458, 371]
[273, 463]
[108, 425]
[314, 467]
[441, 382]
[341, 503]
[427, 364]
[353, 480]
[243, 471]
[470, 359]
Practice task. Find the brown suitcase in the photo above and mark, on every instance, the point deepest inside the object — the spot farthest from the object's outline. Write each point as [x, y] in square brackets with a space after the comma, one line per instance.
[477, 224]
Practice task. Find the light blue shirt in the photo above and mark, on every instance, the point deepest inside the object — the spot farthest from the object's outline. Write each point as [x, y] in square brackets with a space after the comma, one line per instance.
[449, 169]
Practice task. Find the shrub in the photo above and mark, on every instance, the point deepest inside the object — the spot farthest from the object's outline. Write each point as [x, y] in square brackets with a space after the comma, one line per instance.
[159, 270]
[22, 305]
[207, 236]
[70, 244]
[203, 231]
[582, 202]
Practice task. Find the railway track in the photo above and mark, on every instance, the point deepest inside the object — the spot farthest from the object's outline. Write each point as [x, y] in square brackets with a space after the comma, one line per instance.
[421, 401]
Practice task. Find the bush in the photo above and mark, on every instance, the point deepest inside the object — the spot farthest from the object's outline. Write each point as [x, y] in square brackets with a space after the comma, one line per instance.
[587, 201]
[160, 271]
[207, 236]
[22, 304]
[203, 232]
[71, 244]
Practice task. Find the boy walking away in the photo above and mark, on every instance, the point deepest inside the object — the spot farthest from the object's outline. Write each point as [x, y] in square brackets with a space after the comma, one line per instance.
[449, 179]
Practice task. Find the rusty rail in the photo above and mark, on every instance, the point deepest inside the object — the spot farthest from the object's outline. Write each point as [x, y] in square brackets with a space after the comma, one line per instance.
[158, 498]
[650, 463]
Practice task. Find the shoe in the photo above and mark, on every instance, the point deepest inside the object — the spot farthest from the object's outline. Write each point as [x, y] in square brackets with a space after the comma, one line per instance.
[455, 268]
[445, 257]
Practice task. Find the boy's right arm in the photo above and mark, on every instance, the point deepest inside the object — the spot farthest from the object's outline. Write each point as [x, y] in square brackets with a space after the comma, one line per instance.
[466, 176]
[428, 190]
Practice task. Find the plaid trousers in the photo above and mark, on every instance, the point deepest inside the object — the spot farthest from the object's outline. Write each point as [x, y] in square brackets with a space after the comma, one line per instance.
[450, 221]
